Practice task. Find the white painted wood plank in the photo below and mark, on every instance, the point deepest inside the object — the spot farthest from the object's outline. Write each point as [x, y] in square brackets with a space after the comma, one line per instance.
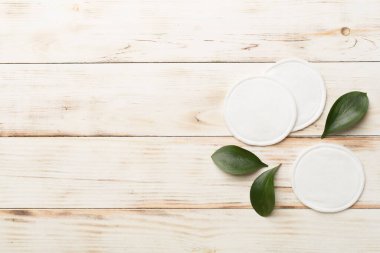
[182, 30]
[198, 231]
[150, 99]
[149, 172]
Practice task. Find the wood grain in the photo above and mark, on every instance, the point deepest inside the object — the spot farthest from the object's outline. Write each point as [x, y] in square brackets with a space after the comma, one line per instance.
[151, 99]
[152, 172]
[45, 31]
[197, 231]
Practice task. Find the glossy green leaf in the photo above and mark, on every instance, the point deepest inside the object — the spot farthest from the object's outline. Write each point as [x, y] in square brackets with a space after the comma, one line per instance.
[262, 192]
[237, 161]
[346, 112]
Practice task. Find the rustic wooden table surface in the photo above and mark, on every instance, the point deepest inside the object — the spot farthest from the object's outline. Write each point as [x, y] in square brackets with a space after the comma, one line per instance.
[110, 110]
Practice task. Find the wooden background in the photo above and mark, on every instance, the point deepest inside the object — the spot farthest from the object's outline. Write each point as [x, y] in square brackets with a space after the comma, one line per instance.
[110, 110]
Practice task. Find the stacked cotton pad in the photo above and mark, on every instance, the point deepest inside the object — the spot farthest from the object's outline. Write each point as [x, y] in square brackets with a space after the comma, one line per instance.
[264, 110]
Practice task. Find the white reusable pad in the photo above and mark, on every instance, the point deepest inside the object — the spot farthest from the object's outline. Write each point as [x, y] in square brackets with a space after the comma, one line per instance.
[260, 111]
[328, 178]
[306, 85]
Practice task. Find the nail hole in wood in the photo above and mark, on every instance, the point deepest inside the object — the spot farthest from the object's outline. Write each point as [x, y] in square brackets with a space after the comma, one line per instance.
[345, 31]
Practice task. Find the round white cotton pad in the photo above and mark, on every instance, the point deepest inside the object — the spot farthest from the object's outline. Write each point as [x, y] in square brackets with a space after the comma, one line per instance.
[307, 87]
[260, 111]
[328, 178]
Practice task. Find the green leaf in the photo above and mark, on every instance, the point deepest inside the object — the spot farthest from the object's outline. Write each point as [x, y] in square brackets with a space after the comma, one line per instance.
[237, 161]
[346, 112]
[262, 192]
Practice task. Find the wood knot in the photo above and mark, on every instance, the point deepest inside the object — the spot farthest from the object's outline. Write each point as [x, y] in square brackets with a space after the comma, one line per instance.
[345, 31]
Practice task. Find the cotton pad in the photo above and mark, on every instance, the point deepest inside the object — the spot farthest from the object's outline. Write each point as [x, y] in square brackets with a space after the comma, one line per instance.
[307, 87]
[328, 178]
[260, 111]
